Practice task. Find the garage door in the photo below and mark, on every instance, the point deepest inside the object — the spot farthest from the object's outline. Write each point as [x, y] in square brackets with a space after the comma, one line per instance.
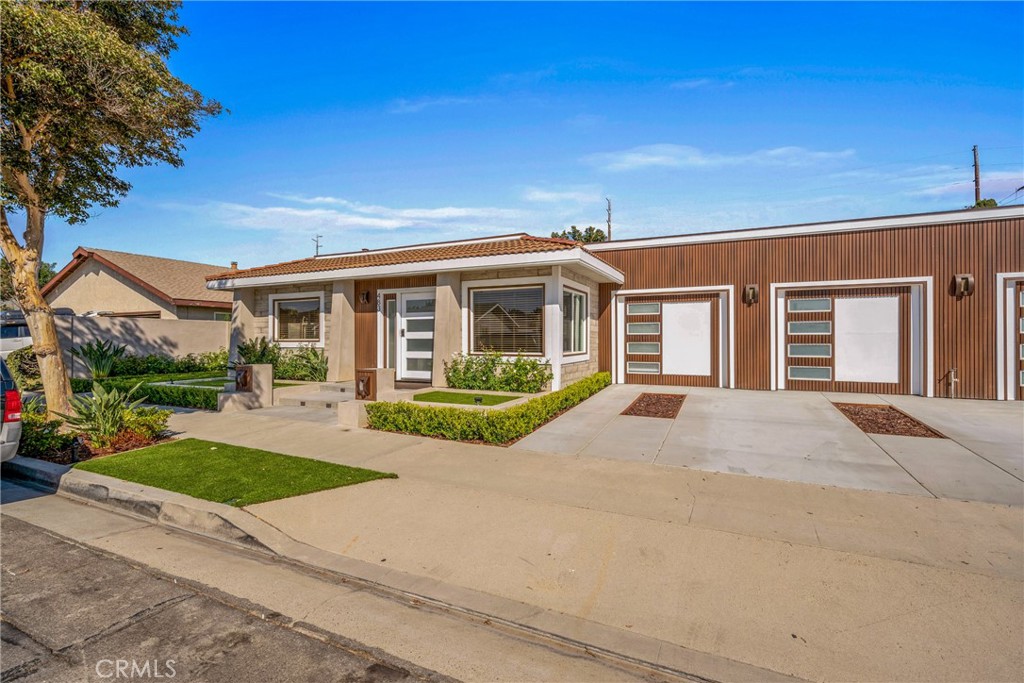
[674, 340]
[1020, 340]
[849, 340]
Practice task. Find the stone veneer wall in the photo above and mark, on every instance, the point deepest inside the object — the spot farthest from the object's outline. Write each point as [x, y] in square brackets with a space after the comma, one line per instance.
[261, 314]
[573, 372]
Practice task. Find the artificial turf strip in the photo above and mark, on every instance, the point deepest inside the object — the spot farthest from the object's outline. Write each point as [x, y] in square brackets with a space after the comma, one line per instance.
[220, 384]
[223, 473]
[462, 398]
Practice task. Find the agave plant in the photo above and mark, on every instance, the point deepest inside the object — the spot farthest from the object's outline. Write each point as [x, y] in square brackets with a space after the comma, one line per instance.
[99, 356]
[101, 415]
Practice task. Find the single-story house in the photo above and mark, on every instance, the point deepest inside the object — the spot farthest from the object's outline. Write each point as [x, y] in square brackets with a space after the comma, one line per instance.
[927, 304]
[119, 284]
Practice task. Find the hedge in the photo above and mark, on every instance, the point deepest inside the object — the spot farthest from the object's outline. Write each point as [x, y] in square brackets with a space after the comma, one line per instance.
[489, 426]
[180, 395]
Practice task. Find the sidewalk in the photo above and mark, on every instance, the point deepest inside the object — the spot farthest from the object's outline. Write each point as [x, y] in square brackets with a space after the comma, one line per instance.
[811, 581]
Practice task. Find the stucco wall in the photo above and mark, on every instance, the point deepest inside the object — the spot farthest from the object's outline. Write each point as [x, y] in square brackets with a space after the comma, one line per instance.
[92, 287]
[142, 336]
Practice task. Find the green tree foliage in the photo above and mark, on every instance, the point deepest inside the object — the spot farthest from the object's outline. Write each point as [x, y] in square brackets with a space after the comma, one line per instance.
[587, 236]
[984, 204]
[46, 273]
[85, 92]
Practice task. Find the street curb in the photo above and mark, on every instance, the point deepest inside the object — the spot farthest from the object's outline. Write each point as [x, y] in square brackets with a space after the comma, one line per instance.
[242, 528]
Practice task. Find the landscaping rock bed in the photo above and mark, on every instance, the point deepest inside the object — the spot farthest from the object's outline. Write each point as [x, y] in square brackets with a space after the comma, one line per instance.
[656, 405]
[875, 419]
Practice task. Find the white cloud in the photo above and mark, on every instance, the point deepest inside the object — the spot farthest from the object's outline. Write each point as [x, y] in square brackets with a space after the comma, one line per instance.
[577, 195]
[700, 83]
[413, 215]
[412, 106]
[683, 156]
[995, 185]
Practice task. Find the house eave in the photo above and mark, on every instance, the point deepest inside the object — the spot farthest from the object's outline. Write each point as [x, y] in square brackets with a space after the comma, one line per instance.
[577, 256]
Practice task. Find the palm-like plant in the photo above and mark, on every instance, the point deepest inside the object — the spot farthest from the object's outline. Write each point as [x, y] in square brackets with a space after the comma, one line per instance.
[99, 356]
[259, 351]
[101, 415]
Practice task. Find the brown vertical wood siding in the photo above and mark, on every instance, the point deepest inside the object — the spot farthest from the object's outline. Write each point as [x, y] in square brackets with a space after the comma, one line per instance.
[366, 314]
[964, 329]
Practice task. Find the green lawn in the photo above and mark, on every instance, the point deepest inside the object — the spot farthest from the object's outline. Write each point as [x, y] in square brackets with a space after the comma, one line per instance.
[219, 384]
[228, 474]
[462, 398]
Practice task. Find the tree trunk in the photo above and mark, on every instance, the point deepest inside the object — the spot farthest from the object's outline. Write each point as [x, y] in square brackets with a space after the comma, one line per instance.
[38, 314]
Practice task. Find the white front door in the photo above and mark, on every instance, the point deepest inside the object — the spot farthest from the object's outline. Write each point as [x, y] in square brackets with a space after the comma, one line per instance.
[416, 335]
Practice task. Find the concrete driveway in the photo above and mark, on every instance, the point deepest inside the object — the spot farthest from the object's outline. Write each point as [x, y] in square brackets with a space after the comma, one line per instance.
[802, 437]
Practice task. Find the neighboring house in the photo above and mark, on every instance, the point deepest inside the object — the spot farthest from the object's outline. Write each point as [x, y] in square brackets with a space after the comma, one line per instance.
[929, 304]
[118, 284]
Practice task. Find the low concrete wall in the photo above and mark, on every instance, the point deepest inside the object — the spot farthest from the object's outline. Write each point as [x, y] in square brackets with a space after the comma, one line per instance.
[142, 336]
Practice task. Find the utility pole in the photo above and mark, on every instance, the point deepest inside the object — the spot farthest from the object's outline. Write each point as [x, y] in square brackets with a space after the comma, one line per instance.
[977, 178]
[609, 218]
[316, 241]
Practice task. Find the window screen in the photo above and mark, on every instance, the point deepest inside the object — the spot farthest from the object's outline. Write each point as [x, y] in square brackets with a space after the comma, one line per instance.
[508, 320]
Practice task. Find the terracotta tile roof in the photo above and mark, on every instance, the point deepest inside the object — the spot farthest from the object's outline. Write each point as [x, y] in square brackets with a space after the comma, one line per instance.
[179, 282]
[506, 246]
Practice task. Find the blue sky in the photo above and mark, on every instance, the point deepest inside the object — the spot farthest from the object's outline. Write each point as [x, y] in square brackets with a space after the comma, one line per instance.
[384, 123]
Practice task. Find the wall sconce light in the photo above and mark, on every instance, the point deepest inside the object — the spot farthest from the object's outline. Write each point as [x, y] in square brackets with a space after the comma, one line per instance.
[364, 297]
[751, 293]
[963, 285]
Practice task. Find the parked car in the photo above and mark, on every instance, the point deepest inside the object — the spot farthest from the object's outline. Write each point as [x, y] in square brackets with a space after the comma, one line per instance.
[10, 414]
[14, 333]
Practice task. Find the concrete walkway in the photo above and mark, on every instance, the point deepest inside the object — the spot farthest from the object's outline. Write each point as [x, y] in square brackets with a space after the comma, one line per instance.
[813, 581]
[802, 437]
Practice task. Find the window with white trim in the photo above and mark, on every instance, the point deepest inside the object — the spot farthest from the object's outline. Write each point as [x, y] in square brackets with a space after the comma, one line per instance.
[574, 321]
[222, 316]
[297, 320]
[508, 320]
[807, 305]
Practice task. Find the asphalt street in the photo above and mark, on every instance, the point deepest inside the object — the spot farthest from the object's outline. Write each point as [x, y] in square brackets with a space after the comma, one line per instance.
[70, 613]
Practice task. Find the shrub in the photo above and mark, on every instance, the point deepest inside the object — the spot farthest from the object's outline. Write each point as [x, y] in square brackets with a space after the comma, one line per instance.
[490, 371]
[99, 356]
[42, 438]
[490, 426]
[148, 422]
[101, 416]
[259, 351]
[152, 364]
[180, 395]
[24, 365]
[306, 363]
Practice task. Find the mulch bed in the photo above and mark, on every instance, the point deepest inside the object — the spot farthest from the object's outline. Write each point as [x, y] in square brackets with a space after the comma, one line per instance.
[875, 419]
[656, 405]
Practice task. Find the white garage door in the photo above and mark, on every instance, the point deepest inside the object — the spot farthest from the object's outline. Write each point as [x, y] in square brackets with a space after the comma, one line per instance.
[687, 337]
[867, 339]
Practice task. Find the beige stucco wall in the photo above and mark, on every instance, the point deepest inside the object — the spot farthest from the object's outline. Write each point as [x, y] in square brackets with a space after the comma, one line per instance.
[447, 323]
[141, 336]
[93, 287]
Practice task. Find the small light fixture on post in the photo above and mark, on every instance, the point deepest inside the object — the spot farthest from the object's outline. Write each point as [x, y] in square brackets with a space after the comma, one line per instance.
[963, 285]
[751, 294]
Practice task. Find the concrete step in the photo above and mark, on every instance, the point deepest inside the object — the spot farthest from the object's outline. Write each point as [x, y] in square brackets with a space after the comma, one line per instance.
[315, 399]
[337, 387]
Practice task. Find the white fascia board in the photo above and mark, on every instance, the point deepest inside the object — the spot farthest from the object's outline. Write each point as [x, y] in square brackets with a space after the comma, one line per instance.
[576, 257]
[916, 220]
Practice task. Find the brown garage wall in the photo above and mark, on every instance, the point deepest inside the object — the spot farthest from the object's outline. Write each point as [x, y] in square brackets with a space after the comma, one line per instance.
[964, 329]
